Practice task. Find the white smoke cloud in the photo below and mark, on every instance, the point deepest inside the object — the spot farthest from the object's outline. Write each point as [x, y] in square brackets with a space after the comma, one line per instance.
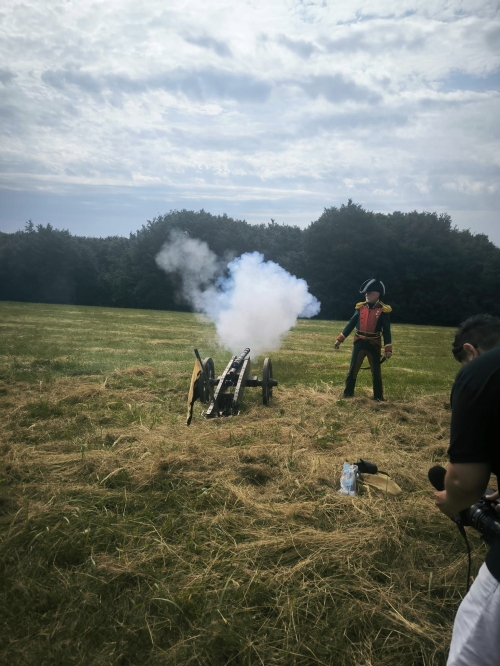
[254, 306]
[197, 265]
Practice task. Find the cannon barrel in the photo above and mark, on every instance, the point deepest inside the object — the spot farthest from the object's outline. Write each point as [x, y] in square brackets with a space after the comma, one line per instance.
[238, 362]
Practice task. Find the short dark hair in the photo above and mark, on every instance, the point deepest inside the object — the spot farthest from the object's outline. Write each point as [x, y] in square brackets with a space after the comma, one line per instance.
[480, 331]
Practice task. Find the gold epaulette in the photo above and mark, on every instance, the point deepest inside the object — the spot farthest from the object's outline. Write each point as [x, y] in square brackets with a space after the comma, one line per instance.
[385, 308]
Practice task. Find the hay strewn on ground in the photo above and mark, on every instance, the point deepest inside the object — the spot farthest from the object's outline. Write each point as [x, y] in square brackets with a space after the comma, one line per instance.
[128, 538]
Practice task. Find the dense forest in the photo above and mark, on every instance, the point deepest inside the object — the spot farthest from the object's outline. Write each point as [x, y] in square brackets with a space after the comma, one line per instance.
[434, 273]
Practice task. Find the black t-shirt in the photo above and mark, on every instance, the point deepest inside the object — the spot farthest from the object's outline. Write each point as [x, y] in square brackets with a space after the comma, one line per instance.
[475, 422]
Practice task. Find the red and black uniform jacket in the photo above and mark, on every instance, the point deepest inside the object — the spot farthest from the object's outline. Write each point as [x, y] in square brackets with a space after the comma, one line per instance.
[371, 323]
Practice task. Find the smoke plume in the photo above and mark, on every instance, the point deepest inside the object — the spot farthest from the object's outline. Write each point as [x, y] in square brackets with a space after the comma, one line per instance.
[252, 303]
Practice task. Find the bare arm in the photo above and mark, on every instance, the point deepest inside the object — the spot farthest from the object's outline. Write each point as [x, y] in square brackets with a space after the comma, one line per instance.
[465, 483]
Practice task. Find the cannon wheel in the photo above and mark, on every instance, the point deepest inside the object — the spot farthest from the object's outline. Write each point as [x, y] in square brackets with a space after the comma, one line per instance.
[267, 374]
[208, 366]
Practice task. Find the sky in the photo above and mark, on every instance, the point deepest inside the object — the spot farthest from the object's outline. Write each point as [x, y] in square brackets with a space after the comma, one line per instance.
[113, 112]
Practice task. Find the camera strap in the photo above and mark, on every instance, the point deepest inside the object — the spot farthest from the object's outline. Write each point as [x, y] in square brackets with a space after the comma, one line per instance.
[459, 523]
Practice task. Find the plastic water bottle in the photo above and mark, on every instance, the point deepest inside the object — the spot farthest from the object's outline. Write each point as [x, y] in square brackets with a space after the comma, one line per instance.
[348, 479]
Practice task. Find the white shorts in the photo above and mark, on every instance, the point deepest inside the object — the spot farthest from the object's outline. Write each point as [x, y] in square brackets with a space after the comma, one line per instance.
[476, 632]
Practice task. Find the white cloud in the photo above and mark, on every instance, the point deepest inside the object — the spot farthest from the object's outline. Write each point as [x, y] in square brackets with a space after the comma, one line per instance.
[289, 106]
[384, 192]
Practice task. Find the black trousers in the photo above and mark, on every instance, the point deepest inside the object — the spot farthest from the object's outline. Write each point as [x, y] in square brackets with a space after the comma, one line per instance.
[362, 348]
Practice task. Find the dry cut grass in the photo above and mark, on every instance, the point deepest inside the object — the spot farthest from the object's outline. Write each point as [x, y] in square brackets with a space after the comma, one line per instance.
[128, 538]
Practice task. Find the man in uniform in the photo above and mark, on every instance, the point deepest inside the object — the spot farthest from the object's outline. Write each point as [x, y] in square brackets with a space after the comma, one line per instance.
[371, 320]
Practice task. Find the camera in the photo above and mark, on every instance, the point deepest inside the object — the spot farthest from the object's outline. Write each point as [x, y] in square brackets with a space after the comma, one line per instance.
[481, 515]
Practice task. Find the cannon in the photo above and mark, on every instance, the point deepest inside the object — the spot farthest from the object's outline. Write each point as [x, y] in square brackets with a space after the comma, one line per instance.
[224, 394]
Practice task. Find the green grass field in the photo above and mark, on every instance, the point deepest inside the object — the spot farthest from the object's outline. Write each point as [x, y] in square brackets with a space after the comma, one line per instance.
[129, 538]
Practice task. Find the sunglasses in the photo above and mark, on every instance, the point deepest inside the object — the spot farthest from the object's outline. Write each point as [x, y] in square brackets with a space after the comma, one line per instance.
[457, 350]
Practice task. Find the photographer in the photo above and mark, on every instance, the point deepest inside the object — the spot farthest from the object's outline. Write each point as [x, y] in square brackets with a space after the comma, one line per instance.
[474, 454]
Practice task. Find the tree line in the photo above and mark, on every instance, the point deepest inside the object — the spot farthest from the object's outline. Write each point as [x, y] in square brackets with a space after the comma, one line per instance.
[434, 273]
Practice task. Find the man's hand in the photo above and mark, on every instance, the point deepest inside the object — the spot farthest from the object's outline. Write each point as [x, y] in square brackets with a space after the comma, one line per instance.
[340, 339]
[440, 501]
[495, 496]
[388, 354]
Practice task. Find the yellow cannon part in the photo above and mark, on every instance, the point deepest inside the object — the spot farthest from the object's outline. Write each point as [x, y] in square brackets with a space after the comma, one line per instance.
[194, 393]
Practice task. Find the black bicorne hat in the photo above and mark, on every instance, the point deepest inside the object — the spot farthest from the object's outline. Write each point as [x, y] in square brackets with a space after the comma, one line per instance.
[373, 285]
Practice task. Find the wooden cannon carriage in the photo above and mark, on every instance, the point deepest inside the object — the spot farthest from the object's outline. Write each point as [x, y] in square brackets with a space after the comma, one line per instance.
[224, 394]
